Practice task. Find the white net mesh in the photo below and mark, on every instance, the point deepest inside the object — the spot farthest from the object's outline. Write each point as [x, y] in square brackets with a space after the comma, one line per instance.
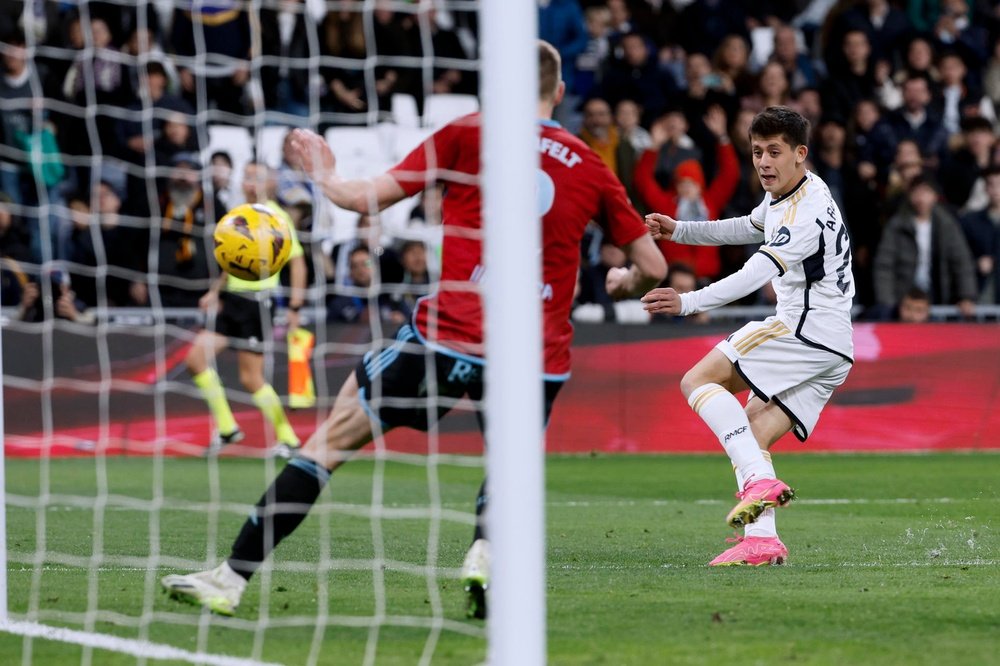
[128, 128]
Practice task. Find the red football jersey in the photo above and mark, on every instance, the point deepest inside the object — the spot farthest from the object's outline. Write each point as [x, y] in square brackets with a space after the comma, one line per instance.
[574, 187]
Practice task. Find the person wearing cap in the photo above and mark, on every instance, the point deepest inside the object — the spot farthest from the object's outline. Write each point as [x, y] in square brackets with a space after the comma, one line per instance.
[688, 197]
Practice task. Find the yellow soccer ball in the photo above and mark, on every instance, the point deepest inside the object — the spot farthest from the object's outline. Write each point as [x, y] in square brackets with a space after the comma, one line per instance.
[252, 242]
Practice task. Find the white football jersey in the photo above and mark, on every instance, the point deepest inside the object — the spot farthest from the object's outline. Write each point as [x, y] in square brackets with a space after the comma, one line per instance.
[806, 238]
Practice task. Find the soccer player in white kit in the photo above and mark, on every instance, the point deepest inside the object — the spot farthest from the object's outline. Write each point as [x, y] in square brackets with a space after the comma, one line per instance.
[792, 361]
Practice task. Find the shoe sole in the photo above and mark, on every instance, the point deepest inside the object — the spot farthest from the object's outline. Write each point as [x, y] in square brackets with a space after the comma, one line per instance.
[776, 561]
[475, 599]
[185, 597]
[748, 512]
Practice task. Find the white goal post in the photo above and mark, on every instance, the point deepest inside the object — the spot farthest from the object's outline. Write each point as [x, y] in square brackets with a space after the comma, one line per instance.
[514, 418]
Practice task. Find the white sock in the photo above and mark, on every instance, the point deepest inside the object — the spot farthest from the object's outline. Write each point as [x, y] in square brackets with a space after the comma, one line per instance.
[722, 412]
[764, 526]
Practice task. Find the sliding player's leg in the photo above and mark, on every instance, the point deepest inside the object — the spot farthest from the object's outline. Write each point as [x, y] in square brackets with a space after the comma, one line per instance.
[397, 372]
[282, 507]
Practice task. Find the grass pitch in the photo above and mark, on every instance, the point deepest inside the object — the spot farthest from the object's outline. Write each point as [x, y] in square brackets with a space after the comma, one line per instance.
[893, 560]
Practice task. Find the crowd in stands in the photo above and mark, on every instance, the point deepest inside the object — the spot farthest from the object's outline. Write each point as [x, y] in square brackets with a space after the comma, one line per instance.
[103, 164]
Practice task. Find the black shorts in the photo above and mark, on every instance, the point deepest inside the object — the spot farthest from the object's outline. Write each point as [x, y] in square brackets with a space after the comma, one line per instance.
[399, 376]
[241, 318]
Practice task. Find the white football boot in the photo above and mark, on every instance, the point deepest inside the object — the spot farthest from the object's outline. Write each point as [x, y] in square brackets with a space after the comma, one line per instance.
[476, 578]
[219, 589]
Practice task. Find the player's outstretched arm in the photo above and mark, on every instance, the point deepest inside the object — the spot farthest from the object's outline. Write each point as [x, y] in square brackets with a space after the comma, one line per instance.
[647, 270]
[730, 231]
[311, 153]
[664, 300]
[661, 227]
[756, 272]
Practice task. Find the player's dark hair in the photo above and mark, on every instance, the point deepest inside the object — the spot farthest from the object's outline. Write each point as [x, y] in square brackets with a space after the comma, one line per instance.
[549, 70]
[917, 294]
[781, 121]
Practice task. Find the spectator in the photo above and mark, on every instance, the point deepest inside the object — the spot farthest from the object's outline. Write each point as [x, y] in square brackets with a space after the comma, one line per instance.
[223, 45]
[177, 136]
[31, 166]
[599, 132]
[852, 78]
[635, 75]
[285, 46]
[917, 120]
[415, 281]
[51, 295]
[923, 247]
[103, 67]
[351, 301]
[288, 176]
[731, 65]
[828, 159]
[871, 148]
[634, 140]
[873, 141]
[673, 145]
[703, 90]
[772, 89]
[366, 235]
[597, 258]
[748, 191]
[689, 199]
[703, 25]
[343, 37]
[396, 34]
[99, 240]
[914, 307]
[955, 29]
[907, 165]
[145, 48]
[885, 26]
[221, 168]
[445, 43]
[956, 94]
[991, 75]
[560, 23]
[136, 139]
[809, 103]
[591, 63]
[919, 61]
[962, 170]
[798, 67]
[185, 243]
[982, 231]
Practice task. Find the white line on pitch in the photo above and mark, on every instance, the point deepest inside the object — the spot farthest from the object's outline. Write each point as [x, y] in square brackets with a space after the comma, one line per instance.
[815, 565]
[136, 648]
[816, 501]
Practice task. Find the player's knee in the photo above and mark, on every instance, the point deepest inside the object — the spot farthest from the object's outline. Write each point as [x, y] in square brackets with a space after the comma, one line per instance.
[251, 380]
[690, 381]
[194, 361]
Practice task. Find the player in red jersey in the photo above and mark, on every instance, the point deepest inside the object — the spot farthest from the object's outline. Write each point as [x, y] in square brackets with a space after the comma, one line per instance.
[446, 333]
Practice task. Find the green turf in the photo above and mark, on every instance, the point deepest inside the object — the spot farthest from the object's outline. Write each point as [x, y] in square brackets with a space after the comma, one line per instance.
[905, 570]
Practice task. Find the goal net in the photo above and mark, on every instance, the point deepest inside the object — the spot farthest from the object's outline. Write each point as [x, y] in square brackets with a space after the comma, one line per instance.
[129, 128]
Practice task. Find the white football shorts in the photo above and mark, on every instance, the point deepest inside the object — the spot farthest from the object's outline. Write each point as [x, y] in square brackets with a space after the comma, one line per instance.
[778, 366]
